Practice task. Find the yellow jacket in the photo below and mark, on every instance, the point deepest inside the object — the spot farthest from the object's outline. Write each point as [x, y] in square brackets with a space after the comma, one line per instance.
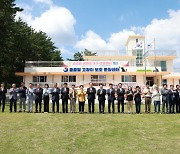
[81, 96]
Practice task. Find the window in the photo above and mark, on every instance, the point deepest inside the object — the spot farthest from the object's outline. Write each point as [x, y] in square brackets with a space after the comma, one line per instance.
[97, 79]
[68, 79]
[136, 40]
[39, 79]
[139, 57]
[72, 78]
[163, 66]
[164, 81]
[128, 78]
[179, 81]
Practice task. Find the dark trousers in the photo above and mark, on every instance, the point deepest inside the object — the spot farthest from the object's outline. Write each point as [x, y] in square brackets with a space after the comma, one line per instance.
[171, 106]
[121, 102]
[81, 106]
[122, 106]
[65, 105]
[3, 104]
[156, 105]
[101, 106]
[13, 102]
[46, 103]
[38, 102]
[91, 105]
[138, 106]
[57, 105]
[111, 103]
[178, 106]
[165, 104]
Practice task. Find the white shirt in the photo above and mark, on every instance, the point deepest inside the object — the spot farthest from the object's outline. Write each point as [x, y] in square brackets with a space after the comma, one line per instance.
[46, 91]
[146, 91]
[156, 95]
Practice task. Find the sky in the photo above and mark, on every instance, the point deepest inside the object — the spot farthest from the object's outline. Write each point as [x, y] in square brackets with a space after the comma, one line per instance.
[75, 25]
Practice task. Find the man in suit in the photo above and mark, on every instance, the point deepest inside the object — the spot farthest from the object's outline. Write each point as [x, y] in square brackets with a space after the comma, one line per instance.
[91, 91]
[3, 92]
[65, 97]
[165, 98]
[110, 92]
[177, 99]
[101, 98]
[13, 97]
[121, 93]
[55, 98]
[38, 91]
[22, 97]
[73, 97]
[171, 99]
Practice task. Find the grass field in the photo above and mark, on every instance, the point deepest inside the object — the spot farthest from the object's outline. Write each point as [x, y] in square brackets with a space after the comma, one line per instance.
[89, 133]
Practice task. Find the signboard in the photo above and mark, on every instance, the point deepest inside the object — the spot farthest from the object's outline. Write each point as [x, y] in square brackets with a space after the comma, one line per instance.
[95, 63]
[92, 69]
[94, 66]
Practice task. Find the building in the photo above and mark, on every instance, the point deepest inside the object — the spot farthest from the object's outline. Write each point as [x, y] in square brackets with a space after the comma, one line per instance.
[136, 66]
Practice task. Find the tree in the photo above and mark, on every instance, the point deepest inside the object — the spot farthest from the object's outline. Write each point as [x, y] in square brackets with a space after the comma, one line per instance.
[89, 53]
[78, 56]
[19, 43]
[56, 56]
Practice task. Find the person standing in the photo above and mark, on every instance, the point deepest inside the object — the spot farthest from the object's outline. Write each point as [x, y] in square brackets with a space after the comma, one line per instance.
[22, 97]
[13, 97]
[110, 92]
[101, 98]
[148, 98]
[121, 93]
[129, 98]
[46, 92]
[65, 97]
[55, 98]
[91, 91]
[171, 99]
[177, 97]
[73, 97]
[81, 99]
[156, 98]
[38, 91]
[137, 99]
[30, 97]
[165, 98]
[3, 92]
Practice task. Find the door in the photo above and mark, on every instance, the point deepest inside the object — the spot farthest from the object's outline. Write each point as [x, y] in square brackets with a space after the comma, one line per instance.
[150, 81]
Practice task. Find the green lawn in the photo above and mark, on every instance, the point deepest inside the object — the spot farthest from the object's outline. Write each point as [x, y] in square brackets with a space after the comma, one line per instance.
[89, 133]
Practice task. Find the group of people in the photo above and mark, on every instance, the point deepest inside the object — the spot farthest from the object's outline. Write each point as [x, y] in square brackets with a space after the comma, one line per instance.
[116, 95]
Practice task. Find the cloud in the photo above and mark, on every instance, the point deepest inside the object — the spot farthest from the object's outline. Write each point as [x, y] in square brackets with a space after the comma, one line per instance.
[66, 53]
[165, 31]
[48, 2]
[57, 22]
[93, 41]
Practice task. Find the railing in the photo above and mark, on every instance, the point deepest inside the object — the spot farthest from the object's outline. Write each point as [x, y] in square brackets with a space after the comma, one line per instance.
[177, 70]
[44, 64]
[112, 53]
[160, 53]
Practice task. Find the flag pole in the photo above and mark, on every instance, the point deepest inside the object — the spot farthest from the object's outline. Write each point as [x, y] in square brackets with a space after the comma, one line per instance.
[145, 60]
[155, 60]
